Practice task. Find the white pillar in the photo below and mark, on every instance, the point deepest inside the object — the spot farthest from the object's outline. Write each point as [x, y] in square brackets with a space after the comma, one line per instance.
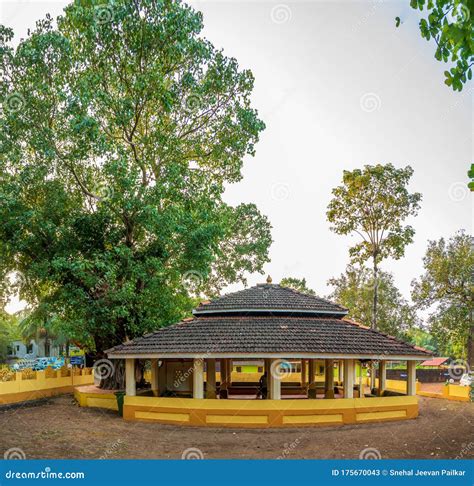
[163, 382]
[303, 372]
[198, 378]
[211, 379]
[130, 383]
[361, 381]
[340, 369]
[154, 377]
[411, 378]
[275, 382]
[348, 378]
[382, 377]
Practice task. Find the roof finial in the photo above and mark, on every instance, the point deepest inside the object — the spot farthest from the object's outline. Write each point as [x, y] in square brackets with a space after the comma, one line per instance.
[269, 280]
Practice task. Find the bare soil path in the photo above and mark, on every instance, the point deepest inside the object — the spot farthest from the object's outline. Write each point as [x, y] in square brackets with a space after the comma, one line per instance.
[58, 428]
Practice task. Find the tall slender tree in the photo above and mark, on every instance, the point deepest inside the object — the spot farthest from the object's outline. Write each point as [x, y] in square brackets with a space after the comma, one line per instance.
[374, 203]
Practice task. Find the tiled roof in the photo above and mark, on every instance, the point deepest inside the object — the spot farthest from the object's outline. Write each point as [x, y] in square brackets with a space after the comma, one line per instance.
[434, 362]
[270, 298]
[267, 334]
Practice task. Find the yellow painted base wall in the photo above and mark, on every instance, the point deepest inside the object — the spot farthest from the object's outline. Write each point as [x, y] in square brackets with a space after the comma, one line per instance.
[268, 413]
[20, 389]
[449, 392]
[95, 400]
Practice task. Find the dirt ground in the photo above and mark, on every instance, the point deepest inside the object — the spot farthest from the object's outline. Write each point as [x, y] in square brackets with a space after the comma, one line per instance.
[58, 428]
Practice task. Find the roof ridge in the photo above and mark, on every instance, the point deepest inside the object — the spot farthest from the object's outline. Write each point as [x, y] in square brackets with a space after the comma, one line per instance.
[315, 296]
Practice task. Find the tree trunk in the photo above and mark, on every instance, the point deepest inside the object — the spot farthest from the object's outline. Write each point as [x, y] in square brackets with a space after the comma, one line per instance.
[470, 342]
[113, 377]
[374, 315]
[375, 297]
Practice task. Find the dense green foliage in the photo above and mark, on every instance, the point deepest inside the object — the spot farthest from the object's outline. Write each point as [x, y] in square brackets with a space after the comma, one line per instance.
[120, 128]
[374, 202]
[448, 285]
[8, 332]
[354, 290]
[451, 24]
[297, 284]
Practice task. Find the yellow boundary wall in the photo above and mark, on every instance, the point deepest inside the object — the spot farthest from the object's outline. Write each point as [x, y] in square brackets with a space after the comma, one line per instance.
[268, 413]
[31, 385]
[456, 393]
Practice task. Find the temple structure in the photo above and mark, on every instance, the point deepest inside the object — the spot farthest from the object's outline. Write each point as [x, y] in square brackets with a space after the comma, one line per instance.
[313, 359]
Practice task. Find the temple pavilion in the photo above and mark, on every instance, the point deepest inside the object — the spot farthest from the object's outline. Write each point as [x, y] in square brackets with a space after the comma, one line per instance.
[306, 344]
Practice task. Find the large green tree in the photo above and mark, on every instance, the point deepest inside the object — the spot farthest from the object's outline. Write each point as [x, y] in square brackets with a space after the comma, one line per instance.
[450, 23]
[447, 287]
[354, 289]
[121, 126]
[373, 203]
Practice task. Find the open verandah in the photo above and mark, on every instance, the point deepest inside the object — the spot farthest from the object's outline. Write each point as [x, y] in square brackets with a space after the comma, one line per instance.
[284, 378]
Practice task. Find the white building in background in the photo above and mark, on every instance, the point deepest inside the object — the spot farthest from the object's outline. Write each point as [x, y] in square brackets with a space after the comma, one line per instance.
[21, 350]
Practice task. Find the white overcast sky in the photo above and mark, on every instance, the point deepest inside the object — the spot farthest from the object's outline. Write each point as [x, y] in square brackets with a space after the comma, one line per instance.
[338, 86]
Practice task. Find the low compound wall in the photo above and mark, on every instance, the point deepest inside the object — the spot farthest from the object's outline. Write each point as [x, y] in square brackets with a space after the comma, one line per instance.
[268, 413]
[91, 396]
[449, 392]
[31, 385]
